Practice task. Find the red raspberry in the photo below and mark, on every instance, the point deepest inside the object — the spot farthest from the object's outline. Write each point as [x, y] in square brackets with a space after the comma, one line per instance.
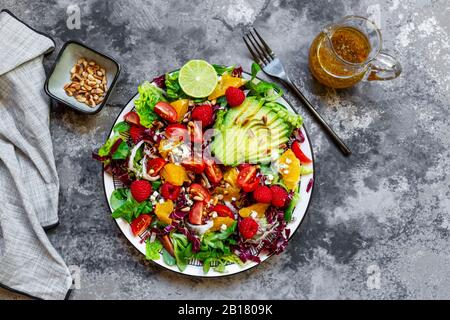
[248, 227]
[279, 196]
[140, 190]
[136, 133]
[234, 96]
[262, 194]
[203, 113]
[169, 191]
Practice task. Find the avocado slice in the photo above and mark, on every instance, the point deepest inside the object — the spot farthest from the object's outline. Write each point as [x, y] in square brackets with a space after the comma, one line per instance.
[252, 132]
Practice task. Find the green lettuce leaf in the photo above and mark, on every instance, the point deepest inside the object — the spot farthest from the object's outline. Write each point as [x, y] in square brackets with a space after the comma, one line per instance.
[122, 151]
[106, 148]
[152, 249]
[119, 197]
[121, 127]
[173, 88]
[125, 211]
[149, 96]
[118, 129]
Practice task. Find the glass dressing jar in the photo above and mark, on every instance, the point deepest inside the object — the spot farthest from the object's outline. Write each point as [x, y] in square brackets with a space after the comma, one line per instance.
[349, 51]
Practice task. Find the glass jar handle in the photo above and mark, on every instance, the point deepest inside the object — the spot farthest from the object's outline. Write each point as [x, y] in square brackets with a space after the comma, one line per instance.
[384, 67]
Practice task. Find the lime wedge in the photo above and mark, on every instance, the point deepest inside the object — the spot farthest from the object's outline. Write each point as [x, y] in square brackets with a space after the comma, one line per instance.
[197, 78]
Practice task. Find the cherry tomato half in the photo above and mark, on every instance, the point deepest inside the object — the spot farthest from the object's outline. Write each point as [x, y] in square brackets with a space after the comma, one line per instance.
[247, 178]
[251, 186]
[197, 190]
[166, 111]
[156, 165]
[140, 224]
[223, 211]
[213, 172]
[246, 175]
[194, 164]
[196, 213]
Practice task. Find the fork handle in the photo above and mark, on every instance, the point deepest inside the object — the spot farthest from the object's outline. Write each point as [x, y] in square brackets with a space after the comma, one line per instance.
[342, 146]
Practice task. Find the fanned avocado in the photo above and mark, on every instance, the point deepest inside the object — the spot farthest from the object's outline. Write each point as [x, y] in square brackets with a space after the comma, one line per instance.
[252, 132]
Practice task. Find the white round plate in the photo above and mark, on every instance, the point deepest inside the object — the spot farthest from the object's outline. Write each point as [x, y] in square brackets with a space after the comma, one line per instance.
[195, 268]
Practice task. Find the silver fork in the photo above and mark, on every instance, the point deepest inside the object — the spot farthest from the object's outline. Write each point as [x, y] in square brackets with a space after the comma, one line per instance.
[272, 66]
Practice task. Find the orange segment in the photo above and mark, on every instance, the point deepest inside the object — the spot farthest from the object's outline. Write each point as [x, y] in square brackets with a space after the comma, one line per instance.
[229, 194]
[163, 210]
[259, 208]
[224, 83]
[166, 145]
[231, 177]
[290, 169]
[219, 221]
[175, 174]
[181, 107]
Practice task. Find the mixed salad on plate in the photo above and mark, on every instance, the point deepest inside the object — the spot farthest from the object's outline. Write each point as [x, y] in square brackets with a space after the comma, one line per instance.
[209, 165]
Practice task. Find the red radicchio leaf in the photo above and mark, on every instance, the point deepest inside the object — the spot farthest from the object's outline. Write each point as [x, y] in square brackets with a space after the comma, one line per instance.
[192, 239]
[97, 157]
[178, 215]
[160, 81]
[119, 169]
[151, 136]
[299, 135]
[115, 146]
[237, 72]
[310, 184]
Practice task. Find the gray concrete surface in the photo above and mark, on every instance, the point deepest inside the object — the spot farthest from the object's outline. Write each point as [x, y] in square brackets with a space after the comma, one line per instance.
[379, 224]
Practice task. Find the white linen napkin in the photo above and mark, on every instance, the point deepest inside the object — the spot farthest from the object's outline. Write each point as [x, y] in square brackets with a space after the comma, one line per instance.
[29, 182]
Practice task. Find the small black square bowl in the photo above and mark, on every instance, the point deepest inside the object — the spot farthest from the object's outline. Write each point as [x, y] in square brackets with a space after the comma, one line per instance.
[60, 74]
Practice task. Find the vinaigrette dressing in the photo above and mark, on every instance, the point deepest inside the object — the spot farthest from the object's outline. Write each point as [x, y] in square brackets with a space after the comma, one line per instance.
[338, 62]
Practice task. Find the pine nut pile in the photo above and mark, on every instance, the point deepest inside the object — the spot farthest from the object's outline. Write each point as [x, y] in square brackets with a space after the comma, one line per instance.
[88, 82]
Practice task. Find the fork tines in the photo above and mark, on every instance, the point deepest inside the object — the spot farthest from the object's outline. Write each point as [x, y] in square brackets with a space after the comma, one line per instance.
[261, 52]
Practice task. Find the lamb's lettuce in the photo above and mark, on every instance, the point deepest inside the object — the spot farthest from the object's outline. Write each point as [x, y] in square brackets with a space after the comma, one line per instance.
[256, 68]
[262, 89]
[156, 184]
[124, 205]
[168, 259]
[182, 249]
[215, 249]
